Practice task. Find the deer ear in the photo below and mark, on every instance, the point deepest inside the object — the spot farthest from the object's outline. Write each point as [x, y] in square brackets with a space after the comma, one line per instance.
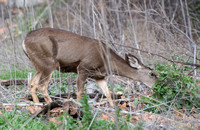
[126, 58]
[133, 61]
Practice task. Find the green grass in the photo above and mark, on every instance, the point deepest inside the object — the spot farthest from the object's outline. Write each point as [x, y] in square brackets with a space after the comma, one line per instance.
[22, 74]
[17, 119]
[120, 88]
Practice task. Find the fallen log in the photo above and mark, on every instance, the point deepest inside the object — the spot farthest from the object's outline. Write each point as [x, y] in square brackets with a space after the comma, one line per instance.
[13, 82]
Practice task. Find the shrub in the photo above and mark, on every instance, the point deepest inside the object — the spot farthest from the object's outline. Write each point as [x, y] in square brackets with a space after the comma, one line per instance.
[174, 88]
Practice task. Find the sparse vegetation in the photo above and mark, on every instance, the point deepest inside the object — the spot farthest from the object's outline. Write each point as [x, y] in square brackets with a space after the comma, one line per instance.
[17, 119]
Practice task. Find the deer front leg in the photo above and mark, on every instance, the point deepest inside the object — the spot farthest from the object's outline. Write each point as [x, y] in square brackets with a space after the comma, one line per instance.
[81, 80]
[103, 85]
[80, 85]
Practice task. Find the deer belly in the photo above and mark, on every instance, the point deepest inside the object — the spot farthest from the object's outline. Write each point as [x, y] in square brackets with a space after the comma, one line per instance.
[68, 67]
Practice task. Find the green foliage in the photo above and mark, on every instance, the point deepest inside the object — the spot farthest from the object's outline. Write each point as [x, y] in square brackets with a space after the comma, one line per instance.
[174, 87]
[55, 89]
[18, 119]
[20, 74]
[139, 126]
[67, 122]
[118, 87]
[88, 117]
[98, 123]
[57, 74]
[123, 125]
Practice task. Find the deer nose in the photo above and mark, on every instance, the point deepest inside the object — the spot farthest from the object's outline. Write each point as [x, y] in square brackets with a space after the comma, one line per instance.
[152, 74]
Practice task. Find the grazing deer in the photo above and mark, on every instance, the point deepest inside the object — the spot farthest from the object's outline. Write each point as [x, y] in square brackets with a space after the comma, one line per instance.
[49, 49]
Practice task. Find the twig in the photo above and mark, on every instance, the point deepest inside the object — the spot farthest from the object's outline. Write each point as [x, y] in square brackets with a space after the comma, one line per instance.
[50, 106]
[184, 63]
[100, 103]
[192, 70]
[58, 103]
[22, 104]
[42, 14]
[74, 96]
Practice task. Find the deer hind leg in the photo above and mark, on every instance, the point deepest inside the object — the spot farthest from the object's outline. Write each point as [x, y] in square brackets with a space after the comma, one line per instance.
[33, 85]
[103, 85]
[43, 85]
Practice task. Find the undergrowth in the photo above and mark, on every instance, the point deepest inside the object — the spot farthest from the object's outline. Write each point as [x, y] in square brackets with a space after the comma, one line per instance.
[16, 119]
[89, 120]
[19, 74]
[175, 88]
[21, 120]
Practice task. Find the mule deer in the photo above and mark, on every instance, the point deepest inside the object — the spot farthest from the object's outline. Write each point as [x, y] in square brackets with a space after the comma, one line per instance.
[49, 49]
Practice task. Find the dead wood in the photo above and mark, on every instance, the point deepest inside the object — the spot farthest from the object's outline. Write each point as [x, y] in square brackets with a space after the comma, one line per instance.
[74, 96]
[50, 106]
[21, 104]
[13, 82]
[69, 106]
